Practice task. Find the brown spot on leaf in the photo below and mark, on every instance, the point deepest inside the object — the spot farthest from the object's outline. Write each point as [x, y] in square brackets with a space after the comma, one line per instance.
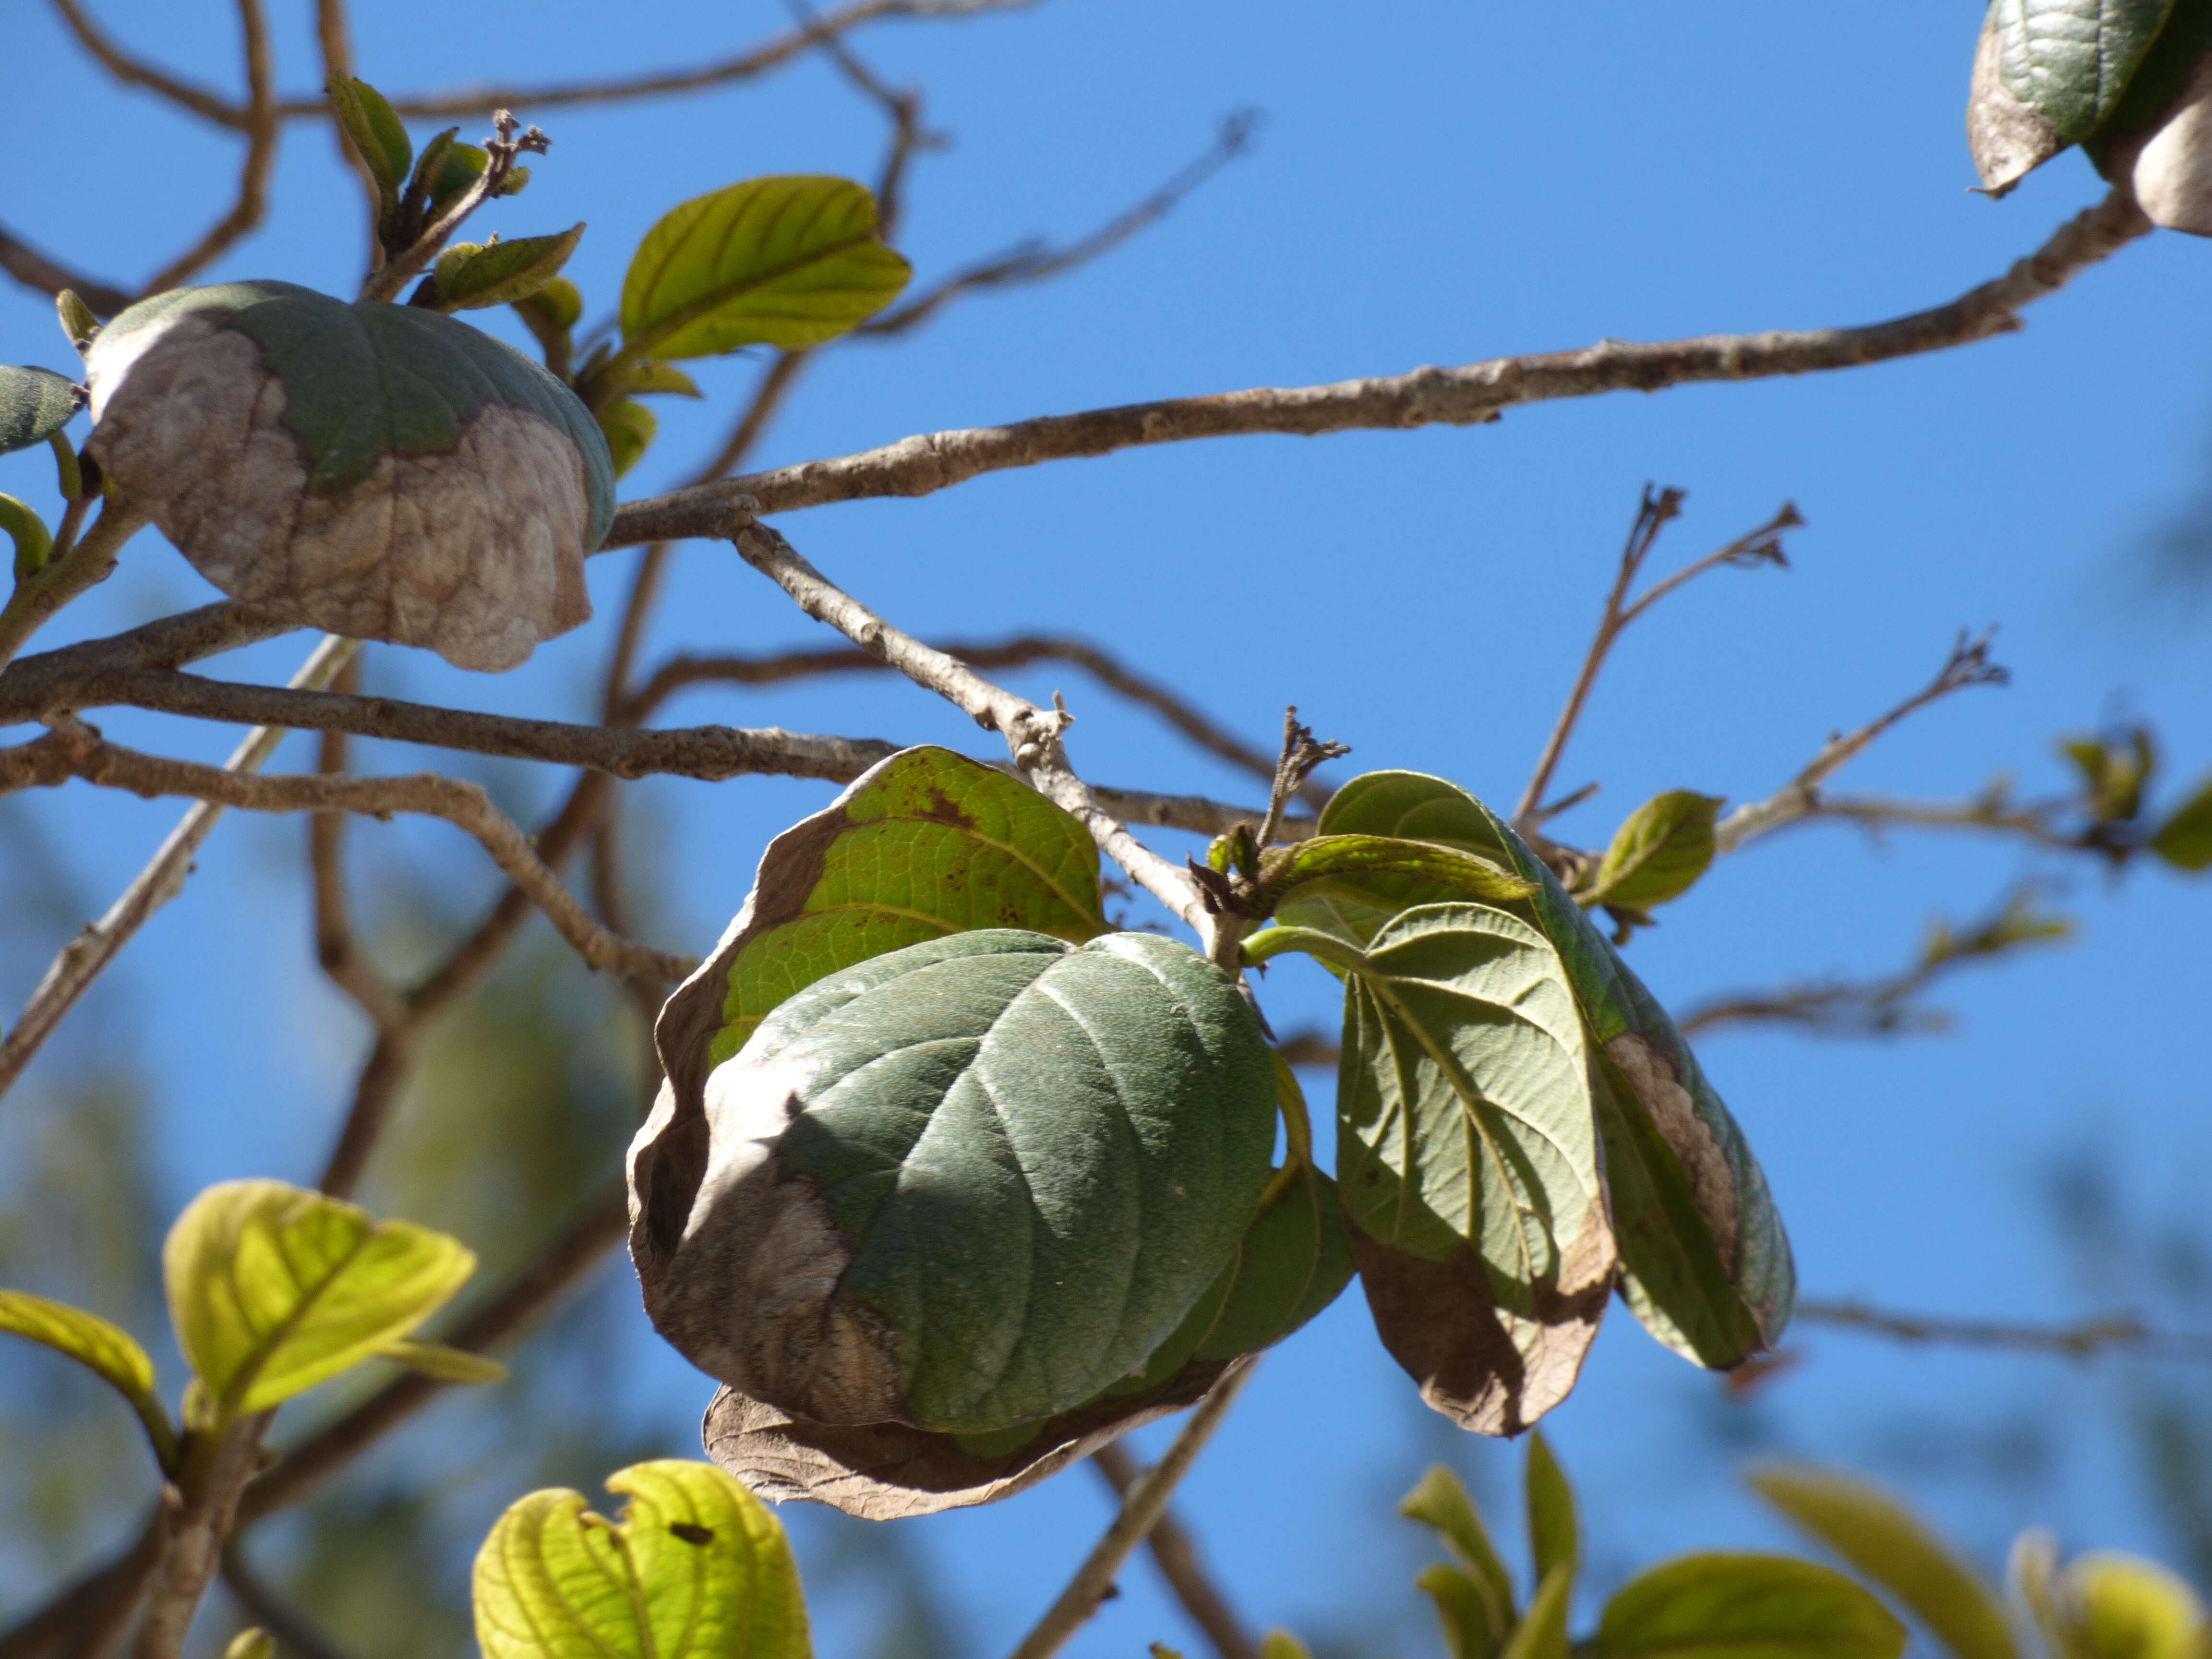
[691, 1532]
[887, 1470]
[1705, 1161]
[2009, 140]
[1489, 1369]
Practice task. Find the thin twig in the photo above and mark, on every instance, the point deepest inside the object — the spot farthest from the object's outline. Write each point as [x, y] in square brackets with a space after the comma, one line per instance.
[134, 73]
[83, 960]
[35, 270]
[1032, 734]
[36, 598]
[334, 41]
[1459, 397]
[1968, 665]
[262, 127]
[1140, 1512]
[2080, 1340]
[1653, 513]
[78, 751]
[1177, 1559]
[336, 948]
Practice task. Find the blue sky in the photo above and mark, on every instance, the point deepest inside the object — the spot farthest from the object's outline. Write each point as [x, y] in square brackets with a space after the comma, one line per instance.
[1433, 183]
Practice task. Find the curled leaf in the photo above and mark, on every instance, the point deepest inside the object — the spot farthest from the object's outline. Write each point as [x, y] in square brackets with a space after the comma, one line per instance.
[1285, 869]
[694, 1568]
[970, 1183]
[786, 262]
[33, 402]
[34, 541]
[273, 1290]
[630, 428]
[379, 471]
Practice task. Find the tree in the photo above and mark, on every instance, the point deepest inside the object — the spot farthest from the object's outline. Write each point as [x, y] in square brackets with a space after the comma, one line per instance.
[1490, 1316]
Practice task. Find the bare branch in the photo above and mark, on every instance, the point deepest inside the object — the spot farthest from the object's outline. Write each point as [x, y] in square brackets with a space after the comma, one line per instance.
[261, 131]
[1032, 735]
[133, 73]
[1653, 513]
[2080, 1340]
[1035, 262]
[89, 1617]
[1017, 652]
[86, 956]
[1888, 1005]
[1141, 1513]
[1178, 1561]
[744, 66]
[33, 269]
[1968, 665]
[336, 948]
[215, 1471]
[78, 751]
[1458, 397]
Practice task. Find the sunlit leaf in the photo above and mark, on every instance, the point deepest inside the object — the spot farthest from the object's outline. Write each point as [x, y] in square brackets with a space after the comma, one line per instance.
[446, 1365]
[34, 402]
[1467, 1610]
[2185, 840]
[630, 428]
[1745, 1607]
[108, 1351]
[787, 262]
[375, 130]
[1542, 1633]
[694, 1568]
[2071, 60]
[2122, 1607]
[1441, 1501]
[1554, 1536]
[1658, 854]
[1281, 1645]
[274, 1289]
[1887, 1543]
[470, 277]
[1283, 869]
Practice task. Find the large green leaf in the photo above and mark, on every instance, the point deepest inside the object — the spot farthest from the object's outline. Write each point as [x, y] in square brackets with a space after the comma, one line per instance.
[34, 402]
[1467, 1159]
[786, 262]
[2071, 60]
[1441, 1502]
[972, 1182]
[1887, 1543]
[108, 1351]
[273, 1290]
[1745, 1607]
[694, 1568]
[1706, 1264]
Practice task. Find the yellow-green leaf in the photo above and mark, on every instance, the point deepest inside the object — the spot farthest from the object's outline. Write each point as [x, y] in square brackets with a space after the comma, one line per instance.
[375, 130]
[630, 428]
[435, 1359]
[1554, 1538]
[1473, 1625]
[2185, 840]
[655, 376]
[471, 277]
[694, 1568]
[1441, 1501]
[2121, 1607]
[1887, 1543]
[1543, 1634]
[787, 262]
[1281, 1645]
[274, 1289]
[1746, 1606]
[108, 1351]
[252, 1642]
[1659, 853]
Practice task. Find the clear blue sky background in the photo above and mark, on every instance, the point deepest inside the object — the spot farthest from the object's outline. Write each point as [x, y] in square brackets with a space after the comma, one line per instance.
[1436, 183]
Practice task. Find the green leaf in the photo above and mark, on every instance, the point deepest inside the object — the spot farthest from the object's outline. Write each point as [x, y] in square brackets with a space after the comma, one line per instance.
[2070, 61]
[472, 276]
[1283, 869]
[921, 845]
[375, 130]
[1659, 853]
[1293, 1261]
[1441, 1501]
[79, 327]
[2124, 1608]
[2113, 772]
[108, 1351]
[34, 543]
[34, 402]
[971, 1183]
[273, 1290]
[457, 167]
[787, 262]
[1467, 1161]
[652, 376]
[1281, 1645]
[560, 302]
[435, 1359]
[1745, 1607]
[2154, 91]
[694, 1568]
[1554, 1538]
[1887, 1543]
[1543, 1634]
[630, 429]
[1466, 1609]
[1706, 1264]
[252, 1642]
[2185, 840]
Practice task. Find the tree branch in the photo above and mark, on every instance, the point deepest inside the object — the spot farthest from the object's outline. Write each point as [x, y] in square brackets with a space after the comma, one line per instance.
[293, 1629]
[1032, 735]
[36, 598]
[1176, 1557]
[35, 271]
[2080, 1340]
[1968, 665]
[78, 751]
[1141, 1513]
[86, 956]
[261, 131]
[132, 72]
[1457, 396]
